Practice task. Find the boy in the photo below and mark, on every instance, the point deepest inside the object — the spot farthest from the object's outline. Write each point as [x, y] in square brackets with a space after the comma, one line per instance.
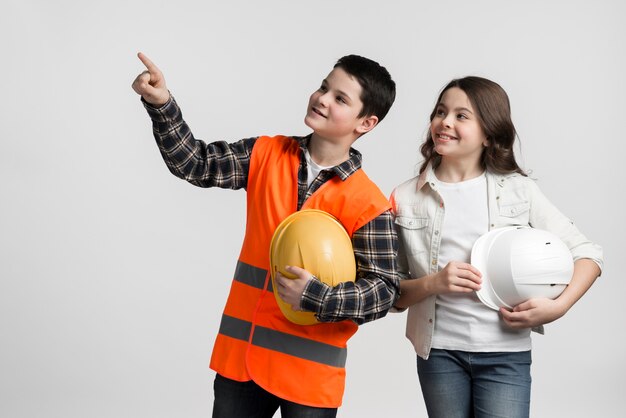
[263, 361]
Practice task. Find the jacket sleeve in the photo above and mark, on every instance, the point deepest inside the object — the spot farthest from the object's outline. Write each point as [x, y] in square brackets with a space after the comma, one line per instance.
[401, 260]
[544, 215]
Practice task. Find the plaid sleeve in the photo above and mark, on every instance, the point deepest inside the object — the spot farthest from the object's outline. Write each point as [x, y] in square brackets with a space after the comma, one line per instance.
[377, 284]
[218, 164]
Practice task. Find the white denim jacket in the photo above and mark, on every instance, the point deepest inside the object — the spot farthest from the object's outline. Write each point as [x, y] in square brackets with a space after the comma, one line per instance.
[513, 200]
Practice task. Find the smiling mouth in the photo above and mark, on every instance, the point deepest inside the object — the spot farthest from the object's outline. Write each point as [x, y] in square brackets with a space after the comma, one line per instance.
[318, 112]
[445, 137]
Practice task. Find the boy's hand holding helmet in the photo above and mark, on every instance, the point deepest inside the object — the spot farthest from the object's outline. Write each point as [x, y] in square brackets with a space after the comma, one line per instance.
[290, 290]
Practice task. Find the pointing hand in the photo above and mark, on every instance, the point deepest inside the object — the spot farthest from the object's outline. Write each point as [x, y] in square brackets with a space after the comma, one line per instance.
[150, 84]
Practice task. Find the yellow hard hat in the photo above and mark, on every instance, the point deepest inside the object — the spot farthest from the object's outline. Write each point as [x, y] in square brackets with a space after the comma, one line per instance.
[317, 242]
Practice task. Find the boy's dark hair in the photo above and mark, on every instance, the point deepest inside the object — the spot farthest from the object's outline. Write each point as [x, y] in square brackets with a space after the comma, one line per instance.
[379, 90]
[493, 109]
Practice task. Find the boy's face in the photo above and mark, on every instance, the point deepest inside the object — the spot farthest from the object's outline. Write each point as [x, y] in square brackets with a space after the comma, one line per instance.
[333, 111]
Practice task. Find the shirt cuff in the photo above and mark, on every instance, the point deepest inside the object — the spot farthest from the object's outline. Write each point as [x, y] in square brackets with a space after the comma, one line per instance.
[167, 112]
[314, 295]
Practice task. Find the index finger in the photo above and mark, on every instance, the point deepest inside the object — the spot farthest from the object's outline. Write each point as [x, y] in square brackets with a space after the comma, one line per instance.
[148, 63]
[294, 269]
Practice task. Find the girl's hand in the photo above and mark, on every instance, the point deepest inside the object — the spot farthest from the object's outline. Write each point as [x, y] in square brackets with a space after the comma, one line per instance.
[150, 84]
[532, 313]
[456, 277]
[535, 312]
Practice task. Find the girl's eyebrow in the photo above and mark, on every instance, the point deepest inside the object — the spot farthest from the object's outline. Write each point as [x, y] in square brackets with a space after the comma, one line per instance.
[463, 109]
[458, 109]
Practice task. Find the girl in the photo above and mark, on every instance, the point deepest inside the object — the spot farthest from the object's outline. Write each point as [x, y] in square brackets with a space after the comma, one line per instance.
[472, 360]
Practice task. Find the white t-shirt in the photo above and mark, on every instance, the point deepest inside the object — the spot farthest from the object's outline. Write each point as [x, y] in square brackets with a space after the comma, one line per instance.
[313, 169]
[462, 321]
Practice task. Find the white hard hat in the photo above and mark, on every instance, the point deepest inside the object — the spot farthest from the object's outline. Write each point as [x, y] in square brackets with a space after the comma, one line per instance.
[520, 263]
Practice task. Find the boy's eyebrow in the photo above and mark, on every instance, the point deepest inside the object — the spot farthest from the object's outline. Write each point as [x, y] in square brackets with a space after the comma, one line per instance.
[341, 92]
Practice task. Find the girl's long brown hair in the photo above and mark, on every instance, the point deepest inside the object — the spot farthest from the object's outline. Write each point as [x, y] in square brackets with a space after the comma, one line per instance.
[493, 109]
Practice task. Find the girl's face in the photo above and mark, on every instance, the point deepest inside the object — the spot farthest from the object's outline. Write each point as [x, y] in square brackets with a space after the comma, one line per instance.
[456, 130]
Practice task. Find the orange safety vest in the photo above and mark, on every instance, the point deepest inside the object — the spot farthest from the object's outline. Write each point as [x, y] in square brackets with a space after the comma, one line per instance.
[302, 364]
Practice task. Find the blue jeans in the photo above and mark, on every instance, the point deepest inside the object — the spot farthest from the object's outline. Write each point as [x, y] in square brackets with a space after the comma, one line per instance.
[459, 384]
[248, 400]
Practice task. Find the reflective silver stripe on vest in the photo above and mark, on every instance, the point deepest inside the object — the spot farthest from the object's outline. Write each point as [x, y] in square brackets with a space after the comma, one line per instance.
[250, 275]
[281, 342]
[299, 347]
[235, 328]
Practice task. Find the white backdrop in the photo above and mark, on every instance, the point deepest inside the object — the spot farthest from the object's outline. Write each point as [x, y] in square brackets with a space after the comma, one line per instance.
[114, 273]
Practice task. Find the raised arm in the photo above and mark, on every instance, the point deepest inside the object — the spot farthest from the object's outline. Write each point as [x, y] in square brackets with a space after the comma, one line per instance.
[216, 164]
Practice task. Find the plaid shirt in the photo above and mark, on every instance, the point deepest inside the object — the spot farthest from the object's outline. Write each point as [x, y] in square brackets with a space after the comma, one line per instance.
[225, 165]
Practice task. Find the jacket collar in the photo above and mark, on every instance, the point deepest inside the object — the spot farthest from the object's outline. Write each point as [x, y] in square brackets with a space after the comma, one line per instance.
[428, 177]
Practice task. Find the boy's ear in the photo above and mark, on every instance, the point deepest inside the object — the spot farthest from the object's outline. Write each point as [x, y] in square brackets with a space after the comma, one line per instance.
[367, 124]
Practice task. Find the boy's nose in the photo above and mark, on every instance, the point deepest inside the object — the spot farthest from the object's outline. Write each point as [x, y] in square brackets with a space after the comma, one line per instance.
[323, 99]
